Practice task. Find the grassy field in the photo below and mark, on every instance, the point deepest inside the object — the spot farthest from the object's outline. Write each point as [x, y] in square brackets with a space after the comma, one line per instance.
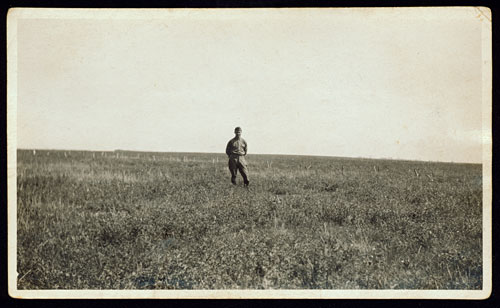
[130, 220]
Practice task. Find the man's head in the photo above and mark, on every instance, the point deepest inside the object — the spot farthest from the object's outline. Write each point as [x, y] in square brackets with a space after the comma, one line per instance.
[237, 132]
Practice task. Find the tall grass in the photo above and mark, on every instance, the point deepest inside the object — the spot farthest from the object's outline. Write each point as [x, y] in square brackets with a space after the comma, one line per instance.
[131, 220]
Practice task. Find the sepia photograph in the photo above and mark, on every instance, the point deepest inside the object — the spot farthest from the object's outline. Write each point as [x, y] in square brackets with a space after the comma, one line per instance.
[249, 153]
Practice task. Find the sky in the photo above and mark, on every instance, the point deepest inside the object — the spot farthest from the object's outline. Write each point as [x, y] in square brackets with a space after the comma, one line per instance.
[397, 84]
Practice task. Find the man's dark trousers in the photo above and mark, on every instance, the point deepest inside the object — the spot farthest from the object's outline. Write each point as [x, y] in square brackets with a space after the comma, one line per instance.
[237, 162]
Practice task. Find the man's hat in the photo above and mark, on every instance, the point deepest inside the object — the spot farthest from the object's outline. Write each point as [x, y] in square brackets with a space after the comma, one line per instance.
[237, 129]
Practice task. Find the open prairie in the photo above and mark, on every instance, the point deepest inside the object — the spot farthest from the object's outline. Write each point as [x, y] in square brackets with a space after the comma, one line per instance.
[136, 220]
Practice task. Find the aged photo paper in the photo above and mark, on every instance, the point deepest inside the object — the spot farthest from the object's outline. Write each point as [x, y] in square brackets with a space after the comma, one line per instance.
[330, 100]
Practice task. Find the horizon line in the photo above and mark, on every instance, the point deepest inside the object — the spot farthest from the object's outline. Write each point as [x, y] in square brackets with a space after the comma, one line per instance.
[283, 154]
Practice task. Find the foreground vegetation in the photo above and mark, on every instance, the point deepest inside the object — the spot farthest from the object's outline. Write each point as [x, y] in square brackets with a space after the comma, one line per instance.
[130, 220]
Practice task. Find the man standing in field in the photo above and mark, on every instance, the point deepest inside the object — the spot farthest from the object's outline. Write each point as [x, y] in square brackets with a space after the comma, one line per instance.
[236, 150]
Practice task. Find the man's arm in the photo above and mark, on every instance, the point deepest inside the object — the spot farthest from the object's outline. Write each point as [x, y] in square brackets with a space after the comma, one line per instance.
[228, 148]
[246, 148]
